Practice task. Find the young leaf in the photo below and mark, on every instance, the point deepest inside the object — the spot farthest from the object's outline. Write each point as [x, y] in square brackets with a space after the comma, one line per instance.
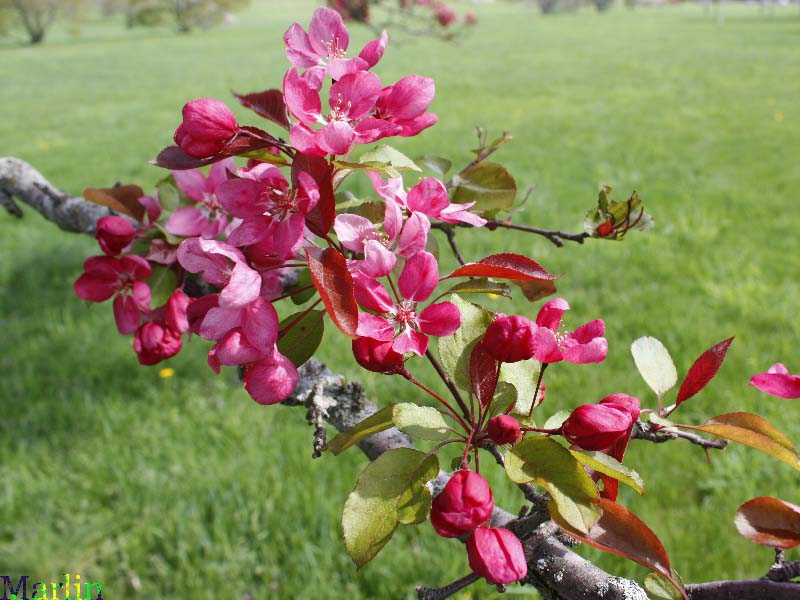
[522, 376]
[546, 462]
[303, 281]
[489, 185]
[436, 164]
[703, 370]
[504, 266]
[268, 104]
[483, 374]
[654, 364]
[455, 350]
[302, 340]
[162, 283]
[320, 218]
[536, 290]
[335, 286]
[620, 532]
[420, 422]
[168, 194]
[480, 286]
[389, 160]
[660, 588]
[770, 522]
[123, 199]
[383, 419]
[608, 465]
[391, 490]
[751, 430]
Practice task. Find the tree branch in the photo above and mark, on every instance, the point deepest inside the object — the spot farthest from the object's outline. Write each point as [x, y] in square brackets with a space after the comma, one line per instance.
[643, 431]
[555, 570]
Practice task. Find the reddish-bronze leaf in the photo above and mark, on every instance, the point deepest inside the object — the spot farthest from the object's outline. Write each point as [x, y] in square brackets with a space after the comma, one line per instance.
[536, 290]
[483, 374]
[621, 532]
[703, 370]
[122, 199]
[751, 430]
[329, 273]
[247, 140]
[770, 522]
[268, 104]
[504, 266]
[320, 219]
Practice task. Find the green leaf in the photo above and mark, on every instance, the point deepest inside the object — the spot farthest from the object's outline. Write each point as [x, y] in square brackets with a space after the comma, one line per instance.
[661, 421]
[391, 490]
[658, 587]
[505, 395]
[168, 194]
[522, 376]
[557, 420]
[489, 185]
[373, 424]
[480, 285]
[655, 364]
[612, 219]
[162, 283]
[303, 280]
[387, 159]
[436, 164]
[302, 340]
[455, 350]
[264, 155]
[603, 463]
[421, 422]
[547, 463]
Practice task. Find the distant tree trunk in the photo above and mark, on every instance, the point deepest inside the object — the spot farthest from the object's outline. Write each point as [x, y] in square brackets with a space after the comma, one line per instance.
[36, 17]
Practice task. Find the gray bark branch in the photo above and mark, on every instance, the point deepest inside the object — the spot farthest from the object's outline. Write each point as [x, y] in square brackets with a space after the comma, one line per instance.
[554, 569]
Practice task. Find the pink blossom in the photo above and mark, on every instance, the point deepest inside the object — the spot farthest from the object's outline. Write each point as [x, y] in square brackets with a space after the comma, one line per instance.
[464, 504]
[445, 14]
[271, 379]
[208, 125]
[600, 426]
[429, 197]
[154, 341]
[207, 218]
[270, 210]
[510, 338]
[106, 276]
[496, 554]
[777, 382]
[405, 103]
[503, 429]
[582, 346]
[325, 45]
[400, 322]
[114, 234]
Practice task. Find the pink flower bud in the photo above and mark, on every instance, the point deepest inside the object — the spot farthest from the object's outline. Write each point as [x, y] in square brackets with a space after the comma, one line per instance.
[599, 426]
[510, 339]
[154, 342]
[496, 554]
[625, 403]
[465, 502]
[208, 125]
[114, 234]
[377, 356]
[503, 429]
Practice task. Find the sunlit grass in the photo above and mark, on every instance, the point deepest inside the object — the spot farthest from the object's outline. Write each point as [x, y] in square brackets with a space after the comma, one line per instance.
[174, 484]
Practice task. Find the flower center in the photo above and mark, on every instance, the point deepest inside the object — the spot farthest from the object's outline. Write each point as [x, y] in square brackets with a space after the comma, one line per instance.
[341, 110]
[406, 312]
[279, 203]
[334, 51]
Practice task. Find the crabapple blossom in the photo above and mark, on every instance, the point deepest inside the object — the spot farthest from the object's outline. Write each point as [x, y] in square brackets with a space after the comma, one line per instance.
[496, 554]
[464, 504]
[114, 234]
[600, 426]
[377, 356]
[510, 339]
[777, 382]
[271, 379]
[405, 105]
[206, 218]
[160, 337]
[208, 125]
[582, 346]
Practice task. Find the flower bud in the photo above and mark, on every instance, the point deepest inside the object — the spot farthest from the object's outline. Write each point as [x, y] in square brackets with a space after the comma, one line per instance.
[208, 125]
[377, 356]
[496, 554]
[464, 503]
[503, 429]
[510, 339]
[114, 234]
[625, 403]
[154, 342]
[597, 426]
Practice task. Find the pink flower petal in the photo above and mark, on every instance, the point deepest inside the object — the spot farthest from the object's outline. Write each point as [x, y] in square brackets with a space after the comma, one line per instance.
[218, 322]
[126, 314]
[414, 236]
[587, 332]
[335, 138]
[372, 326]
[305, 140]
[550, 314]
[252, 230]
[545, 346]
[353, 231]
[298, 48]
[270, 380]
[354, 95]
[327, 33]
[777, 384]
[429, 196]
[301, 99]
[778, 368]
[410, 340]
[581, 354]
[191, 182]
[440, 319]
[341, 67]
[260, 324]
[243, 287]
[408, 98]
[373, 51]
[140, 292]
[242, 197]
[419, 277]
[378, 261]
[371, 294]
[187, 221]
[371, 130]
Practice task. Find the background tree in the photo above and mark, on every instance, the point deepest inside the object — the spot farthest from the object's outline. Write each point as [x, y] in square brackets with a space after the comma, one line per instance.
[36, 16]
[190, 14]
[136, 12]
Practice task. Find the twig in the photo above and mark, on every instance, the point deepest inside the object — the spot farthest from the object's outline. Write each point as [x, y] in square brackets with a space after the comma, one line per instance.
[451, 239]
[556, 237]
[642, 431]
[424, 593]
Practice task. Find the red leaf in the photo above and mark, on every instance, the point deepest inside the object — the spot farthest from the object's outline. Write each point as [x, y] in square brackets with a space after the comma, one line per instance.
[247, 140]
[621, 532]
[320, 219]
[268, 104]
[483, 374]
[703, 370]
[504, 266]
[335, 286]
[769, 522]
[536, 290]
[122, 199]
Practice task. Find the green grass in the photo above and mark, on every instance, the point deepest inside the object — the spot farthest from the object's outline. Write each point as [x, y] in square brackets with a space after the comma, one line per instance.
[185, 488]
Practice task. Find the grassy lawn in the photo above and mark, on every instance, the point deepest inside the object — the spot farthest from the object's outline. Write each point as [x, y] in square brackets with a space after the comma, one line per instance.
[183, 487]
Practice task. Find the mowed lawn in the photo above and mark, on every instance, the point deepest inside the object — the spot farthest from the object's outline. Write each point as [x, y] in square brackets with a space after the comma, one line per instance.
[183, 487]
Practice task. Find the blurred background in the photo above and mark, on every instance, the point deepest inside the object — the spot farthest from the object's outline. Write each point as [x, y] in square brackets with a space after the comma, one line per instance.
[169, 481]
